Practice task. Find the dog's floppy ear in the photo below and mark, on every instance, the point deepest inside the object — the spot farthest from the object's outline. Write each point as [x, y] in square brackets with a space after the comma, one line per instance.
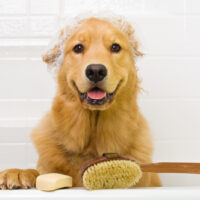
[51, 55]
[133, 41]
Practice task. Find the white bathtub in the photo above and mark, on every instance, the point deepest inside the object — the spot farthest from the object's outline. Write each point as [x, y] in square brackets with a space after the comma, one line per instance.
[164, 193]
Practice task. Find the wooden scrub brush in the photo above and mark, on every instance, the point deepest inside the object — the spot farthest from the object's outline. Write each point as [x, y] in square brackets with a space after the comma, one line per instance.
[114, 171]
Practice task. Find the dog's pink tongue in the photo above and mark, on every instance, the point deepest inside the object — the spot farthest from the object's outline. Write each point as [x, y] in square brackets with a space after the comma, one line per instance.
[96, 94]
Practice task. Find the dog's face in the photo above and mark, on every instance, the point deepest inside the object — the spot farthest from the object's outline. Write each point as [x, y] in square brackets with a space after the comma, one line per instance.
[97, 61]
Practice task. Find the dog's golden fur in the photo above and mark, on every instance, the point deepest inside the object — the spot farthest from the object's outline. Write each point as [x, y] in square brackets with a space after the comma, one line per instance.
[73, 131]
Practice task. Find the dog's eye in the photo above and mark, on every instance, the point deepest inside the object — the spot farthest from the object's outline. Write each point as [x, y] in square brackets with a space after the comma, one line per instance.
[115, 48]
[79, 48]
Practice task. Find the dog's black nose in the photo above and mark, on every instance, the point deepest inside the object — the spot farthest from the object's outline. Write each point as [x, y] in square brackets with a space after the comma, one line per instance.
[96, 72]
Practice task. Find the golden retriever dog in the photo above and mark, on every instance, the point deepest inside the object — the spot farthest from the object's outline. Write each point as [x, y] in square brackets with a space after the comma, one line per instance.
[95, 108]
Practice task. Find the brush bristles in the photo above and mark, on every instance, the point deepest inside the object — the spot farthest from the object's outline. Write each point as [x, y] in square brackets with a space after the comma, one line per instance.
[112, 174]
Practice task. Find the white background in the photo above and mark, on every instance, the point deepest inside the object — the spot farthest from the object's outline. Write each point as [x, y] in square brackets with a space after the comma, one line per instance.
[169, 33]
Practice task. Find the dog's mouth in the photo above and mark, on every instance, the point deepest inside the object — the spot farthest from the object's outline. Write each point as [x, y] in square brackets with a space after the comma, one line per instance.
[97, 96]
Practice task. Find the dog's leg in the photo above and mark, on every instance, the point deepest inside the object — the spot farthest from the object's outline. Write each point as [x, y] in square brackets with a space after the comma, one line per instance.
[149, 180]
[144, 181]
[155, 180]
[18, 178]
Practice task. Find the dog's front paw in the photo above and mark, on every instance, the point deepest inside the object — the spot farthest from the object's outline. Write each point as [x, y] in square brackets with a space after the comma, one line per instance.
[18, 178]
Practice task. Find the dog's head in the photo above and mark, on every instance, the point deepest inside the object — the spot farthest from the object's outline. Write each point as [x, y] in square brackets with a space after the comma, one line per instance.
[96, 60]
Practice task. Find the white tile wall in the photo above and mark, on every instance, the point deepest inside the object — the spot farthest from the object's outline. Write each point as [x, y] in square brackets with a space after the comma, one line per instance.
[168, 31]
[13, 7]
[44, 7]
[13, 26]
[30, 71]
[192, 7]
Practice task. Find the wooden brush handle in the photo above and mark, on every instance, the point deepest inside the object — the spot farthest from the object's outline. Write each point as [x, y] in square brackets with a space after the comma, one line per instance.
[171, 167]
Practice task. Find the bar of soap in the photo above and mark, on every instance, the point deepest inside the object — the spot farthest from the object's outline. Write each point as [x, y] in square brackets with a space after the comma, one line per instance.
[53, 181]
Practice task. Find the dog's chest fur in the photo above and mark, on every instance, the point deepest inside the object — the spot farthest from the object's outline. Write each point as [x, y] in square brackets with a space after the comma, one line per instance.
[95, 132]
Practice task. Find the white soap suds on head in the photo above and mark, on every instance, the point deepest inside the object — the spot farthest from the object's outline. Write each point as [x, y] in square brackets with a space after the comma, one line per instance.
[68, 27]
